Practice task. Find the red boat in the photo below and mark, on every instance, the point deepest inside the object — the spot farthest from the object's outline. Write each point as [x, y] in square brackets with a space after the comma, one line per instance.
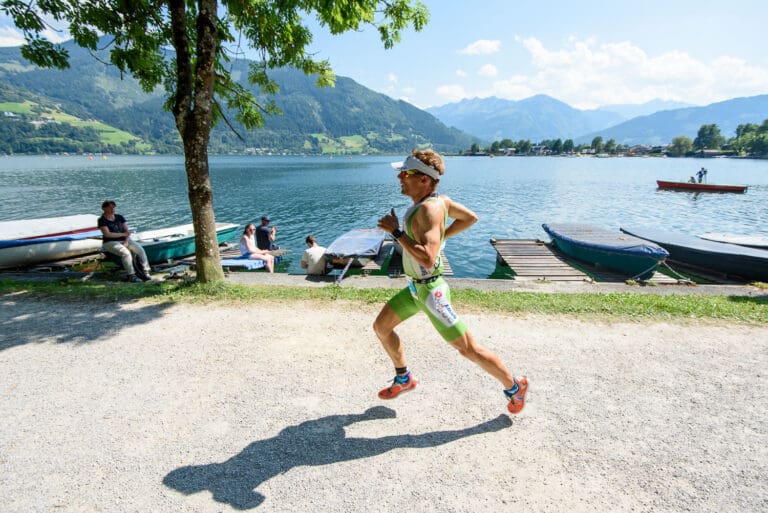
[702, 187]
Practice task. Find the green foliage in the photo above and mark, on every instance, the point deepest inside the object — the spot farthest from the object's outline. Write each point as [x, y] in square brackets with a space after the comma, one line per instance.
[751, 139]
[708, 138]
[92, 90]
[681, 146]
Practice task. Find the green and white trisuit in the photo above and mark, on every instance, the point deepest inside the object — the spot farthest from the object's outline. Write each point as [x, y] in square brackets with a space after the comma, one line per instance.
[427, 290]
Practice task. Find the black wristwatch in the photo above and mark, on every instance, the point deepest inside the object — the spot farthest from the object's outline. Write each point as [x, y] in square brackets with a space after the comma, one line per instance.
[397, 233]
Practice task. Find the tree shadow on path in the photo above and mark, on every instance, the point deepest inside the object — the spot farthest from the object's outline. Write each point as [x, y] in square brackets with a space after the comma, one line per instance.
[26, 320]
[314, 442]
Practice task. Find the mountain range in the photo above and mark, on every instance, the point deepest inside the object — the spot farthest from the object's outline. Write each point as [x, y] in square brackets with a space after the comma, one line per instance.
[90, 107]
[347, 118]
[542, 117]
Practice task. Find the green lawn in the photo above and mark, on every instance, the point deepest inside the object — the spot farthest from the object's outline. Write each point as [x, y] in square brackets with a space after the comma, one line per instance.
[17, 108]
[598, 306]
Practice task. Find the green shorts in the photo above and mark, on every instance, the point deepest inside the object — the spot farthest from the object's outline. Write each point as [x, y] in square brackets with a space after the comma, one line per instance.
[434, 299]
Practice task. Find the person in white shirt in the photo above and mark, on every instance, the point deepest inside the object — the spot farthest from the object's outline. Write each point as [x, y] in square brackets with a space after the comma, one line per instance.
[313, 259]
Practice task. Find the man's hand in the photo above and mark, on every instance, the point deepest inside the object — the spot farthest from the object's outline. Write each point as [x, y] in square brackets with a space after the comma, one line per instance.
[389, 223]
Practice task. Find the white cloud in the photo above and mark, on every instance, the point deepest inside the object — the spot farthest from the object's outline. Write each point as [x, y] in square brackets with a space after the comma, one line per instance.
[481, 47]
[489, 70]
[55, 31]
[451, 93]
[586, 75]
[516, 87]
[461, 73]
[392, 78]
[9, 36]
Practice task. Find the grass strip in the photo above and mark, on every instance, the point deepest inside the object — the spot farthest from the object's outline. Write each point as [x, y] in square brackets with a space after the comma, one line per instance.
[611, 306]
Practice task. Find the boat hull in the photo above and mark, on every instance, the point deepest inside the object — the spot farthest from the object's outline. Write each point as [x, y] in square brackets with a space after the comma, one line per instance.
[27, 242]
[178, 241]
[47, 227]
[702, 187]
[630, 256]
[33, 253]
[728, 259]
[750, 241]
[361, 245]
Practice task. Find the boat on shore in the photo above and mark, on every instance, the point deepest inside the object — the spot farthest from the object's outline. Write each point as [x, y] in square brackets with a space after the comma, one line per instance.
[719, 257]
[750, 241]
[47, 227]
[634, 257]
[165, 244]
[700, 187]
[28, 242]
[355, 248]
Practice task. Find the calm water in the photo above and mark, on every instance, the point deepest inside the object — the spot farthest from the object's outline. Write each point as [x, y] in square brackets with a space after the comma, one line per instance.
[327, 197]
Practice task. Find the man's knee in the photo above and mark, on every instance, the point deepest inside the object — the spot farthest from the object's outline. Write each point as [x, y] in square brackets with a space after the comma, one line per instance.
[467, 347]
[380, 329]
[385, 322]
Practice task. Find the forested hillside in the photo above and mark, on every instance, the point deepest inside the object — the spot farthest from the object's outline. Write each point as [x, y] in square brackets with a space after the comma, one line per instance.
[90, 107]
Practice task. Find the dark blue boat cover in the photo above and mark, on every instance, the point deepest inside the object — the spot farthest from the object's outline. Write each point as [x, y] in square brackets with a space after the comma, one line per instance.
[91, 234]
[690, 242]
[593, 237]
[363, 242]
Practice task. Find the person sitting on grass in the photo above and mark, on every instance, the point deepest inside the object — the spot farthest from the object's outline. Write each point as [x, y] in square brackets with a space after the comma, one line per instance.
[248, 248]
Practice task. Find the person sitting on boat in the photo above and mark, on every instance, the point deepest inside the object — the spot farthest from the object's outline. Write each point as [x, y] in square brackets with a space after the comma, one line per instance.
[313, 259]
[249, 249]
[692, 180]
[265, 236]
[116, 239]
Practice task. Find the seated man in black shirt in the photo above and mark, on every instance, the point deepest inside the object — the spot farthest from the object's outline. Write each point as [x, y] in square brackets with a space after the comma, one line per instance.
[117, 240]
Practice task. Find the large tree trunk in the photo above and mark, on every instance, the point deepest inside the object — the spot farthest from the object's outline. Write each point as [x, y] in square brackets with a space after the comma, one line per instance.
[193, 112]
[201, 202]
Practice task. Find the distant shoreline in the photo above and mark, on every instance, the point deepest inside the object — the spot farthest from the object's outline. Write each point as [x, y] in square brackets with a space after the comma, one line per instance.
[340, 155]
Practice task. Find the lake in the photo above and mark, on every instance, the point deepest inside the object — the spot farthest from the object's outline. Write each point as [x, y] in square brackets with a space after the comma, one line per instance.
[325, 196]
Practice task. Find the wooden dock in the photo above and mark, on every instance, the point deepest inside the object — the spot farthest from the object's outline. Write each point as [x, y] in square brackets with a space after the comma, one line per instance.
[533, 259]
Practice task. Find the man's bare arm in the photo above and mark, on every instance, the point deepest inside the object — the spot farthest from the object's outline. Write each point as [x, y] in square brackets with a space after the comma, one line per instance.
[462, 217]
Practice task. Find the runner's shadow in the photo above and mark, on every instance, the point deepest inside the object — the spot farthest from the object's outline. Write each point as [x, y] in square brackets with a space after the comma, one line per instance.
[314, 442]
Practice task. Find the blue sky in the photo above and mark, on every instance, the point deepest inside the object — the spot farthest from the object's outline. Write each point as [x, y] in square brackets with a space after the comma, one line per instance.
[587, 53]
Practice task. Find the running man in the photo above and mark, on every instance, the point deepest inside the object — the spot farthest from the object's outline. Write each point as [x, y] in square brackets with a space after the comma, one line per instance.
[425, 229]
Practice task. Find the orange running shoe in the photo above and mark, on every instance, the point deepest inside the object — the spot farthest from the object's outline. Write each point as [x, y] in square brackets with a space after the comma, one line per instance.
[517, 400]
[398, 388]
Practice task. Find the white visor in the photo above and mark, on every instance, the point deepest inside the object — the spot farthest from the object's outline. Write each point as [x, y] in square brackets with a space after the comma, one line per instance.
[413, 163]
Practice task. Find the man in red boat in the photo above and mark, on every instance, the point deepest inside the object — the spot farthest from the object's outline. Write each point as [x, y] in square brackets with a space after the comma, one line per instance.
[424, 230]
[116, 239]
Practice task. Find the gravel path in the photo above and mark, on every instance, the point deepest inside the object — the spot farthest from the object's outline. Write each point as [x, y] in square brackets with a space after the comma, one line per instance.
[272, 407]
